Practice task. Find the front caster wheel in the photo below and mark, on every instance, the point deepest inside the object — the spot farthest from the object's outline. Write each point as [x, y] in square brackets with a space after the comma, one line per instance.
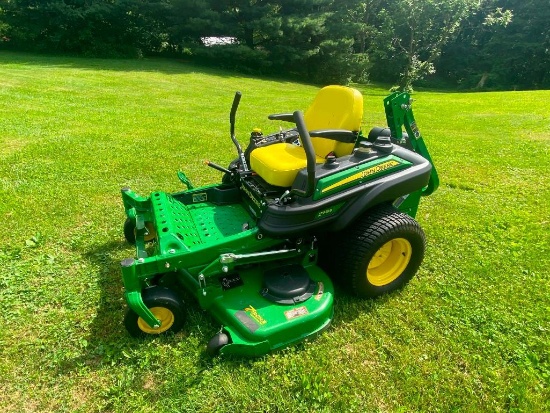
[380, 253]
[130, 231]
[216, 343]
[165, 305]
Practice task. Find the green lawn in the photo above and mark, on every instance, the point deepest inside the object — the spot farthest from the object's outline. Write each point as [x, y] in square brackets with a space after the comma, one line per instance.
[469, 333]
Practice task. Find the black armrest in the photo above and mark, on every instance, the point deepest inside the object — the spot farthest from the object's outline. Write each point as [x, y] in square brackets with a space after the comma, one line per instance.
[340, 135]
[287, 117]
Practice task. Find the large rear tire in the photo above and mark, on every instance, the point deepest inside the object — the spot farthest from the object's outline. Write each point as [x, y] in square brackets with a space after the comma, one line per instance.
[379, 253]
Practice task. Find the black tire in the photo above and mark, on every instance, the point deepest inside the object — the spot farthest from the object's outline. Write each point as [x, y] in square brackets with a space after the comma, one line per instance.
[379, 253]
[130, 231]
[166, 305]
[216, 343]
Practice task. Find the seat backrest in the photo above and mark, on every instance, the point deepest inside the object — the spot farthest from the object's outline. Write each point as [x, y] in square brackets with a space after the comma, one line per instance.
[334, 107]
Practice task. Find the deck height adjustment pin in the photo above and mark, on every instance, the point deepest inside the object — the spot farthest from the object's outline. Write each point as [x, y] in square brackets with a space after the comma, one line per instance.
[202, 284]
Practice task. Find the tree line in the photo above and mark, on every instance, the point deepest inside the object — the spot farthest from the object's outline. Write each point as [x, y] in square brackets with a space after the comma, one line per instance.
[465, 43]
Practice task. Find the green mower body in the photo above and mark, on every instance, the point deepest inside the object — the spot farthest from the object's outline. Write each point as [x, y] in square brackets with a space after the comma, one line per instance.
[262, 258]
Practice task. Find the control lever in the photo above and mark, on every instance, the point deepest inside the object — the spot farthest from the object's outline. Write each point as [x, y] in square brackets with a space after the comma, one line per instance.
[234, 107]
[217, 167]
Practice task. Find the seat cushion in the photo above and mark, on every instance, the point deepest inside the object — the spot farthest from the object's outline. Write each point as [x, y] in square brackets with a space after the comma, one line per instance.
[334, 107]
[278, 164]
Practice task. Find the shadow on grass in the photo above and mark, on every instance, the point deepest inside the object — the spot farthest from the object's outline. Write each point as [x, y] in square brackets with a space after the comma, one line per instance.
[164, 65]
[108, 342]
[105, 334]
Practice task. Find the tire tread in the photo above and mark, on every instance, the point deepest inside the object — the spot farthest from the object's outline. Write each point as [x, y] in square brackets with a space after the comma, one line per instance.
[350, 247]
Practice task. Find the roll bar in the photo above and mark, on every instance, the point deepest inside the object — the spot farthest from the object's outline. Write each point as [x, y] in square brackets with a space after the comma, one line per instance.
[305, 139]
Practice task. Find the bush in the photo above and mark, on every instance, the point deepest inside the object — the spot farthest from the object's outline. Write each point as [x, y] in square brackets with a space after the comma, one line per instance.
[234, 57]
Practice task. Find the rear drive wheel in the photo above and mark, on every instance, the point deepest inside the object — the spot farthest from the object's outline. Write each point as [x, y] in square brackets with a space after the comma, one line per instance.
[130, 231]
[165, 305]
[380, 253]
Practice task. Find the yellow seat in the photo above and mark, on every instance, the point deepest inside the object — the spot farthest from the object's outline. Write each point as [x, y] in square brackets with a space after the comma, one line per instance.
[334, 107]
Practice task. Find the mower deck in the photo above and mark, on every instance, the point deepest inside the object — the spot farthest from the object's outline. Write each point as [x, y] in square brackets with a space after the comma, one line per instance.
[262, 296]
[256, 324]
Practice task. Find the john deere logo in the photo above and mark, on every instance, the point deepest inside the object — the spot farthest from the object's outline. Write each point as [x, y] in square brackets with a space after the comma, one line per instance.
[363, 174]
[251, 196]
[252, 312]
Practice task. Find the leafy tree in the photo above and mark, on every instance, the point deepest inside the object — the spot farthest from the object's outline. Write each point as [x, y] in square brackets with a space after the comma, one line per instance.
[93, 27]
[302, 38]
[254, 22]
[506, 44]
[420, 30]
[188, 21]
[316, 40]
[472, 42]
[374, 33]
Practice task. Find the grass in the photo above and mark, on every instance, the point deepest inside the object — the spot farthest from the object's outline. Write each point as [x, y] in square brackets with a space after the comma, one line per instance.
[469, 333]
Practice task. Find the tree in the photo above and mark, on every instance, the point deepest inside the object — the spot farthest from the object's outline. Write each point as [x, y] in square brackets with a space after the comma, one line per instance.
[316, 40]
[506, 44]
[188, 21]
[254, 22]
[301, 38]
[472, 42]
[421, 29]
[91, 27]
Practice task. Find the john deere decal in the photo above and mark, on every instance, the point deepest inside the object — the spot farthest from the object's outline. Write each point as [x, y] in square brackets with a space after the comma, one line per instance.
[357, 175]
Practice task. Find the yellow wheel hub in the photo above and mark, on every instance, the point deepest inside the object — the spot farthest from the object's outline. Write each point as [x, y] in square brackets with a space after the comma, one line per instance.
[150, 233]
[165, 316]
[389, 262]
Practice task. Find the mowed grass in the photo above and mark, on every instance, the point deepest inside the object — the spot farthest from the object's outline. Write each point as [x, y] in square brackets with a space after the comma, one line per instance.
[469, 333]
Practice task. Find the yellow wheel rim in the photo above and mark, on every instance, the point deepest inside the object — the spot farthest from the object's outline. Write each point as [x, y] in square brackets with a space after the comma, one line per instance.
[151, 233]
[165, 316]
[389, 262]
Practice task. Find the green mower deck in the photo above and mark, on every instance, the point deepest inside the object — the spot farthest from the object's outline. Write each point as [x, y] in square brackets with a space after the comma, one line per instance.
[188, 246]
